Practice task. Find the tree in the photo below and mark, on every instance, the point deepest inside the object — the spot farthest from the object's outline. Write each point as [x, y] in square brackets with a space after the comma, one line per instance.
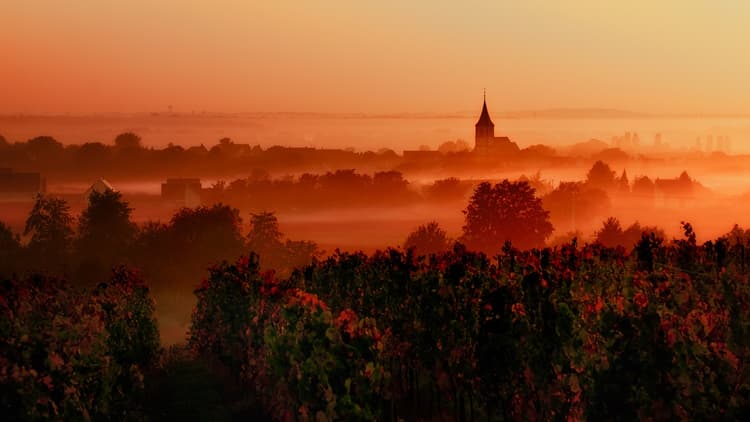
[51, 228]
[611, 234]
[506, 211]
[428, 239]
[105, 233]
[44, 144]
[459, 145]
[737, 236]
[265, 239]
[390, 186]
[92, 153]
[45, 150]
[10, 250]
[172, 256]
[447, 190]
[265, 232]
[601, 176]
[128, 140]
[206, 234]
[105, 226]
[572, 203]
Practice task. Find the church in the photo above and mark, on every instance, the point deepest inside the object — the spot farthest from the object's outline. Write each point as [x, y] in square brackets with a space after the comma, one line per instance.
[485, 141]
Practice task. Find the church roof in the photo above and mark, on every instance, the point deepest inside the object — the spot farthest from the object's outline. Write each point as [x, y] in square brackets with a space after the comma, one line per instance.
[484, 118]
[100, 186]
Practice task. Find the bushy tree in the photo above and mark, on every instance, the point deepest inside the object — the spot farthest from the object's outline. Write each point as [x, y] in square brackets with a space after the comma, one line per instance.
[508, 211]
[44, 147]
[449, 189]
[264, 235]
[390, 186]
[152, 249]
[105, 234]
[105, 226]
[51, 228]
[266, 240]
[207, 234]
[610, 234]
[128, 140]
[428, 239]
[601, 176]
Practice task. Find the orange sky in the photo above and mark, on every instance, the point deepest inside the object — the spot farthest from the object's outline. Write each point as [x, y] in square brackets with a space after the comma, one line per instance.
[379, 56]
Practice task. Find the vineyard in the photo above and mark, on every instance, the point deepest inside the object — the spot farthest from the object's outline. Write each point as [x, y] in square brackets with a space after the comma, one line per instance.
[572, 333]
[69, 354]
[581, 332]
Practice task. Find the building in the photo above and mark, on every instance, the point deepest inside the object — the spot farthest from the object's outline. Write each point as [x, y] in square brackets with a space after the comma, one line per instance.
[14, 185]
[485, 141]
[186, 191]
[675, 193]
[100, 186]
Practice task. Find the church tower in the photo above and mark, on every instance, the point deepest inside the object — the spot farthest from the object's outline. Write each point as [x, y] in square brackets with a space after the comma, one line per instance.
[484, 129]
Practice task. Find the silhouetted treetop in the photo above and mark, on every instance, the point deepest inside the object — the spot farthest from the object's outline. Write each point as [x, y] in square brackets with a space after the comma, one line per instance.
[266, 240]
[128, 140]
[508, 211]
[428, 239]
[265, 233]
[211, 232]
[44, 143]
[105, 227]
[610, 234]
[601, 176]
[51, 228]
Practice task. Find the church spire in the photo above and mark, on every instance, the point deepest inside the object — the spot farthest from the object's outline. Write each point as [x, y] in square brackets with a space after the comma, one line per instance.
[484, 118]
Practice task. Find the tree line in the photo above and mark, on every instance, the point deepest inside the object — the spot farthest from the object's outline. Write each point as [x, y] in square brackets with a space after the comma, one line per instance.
[87, 246]
[127, 157]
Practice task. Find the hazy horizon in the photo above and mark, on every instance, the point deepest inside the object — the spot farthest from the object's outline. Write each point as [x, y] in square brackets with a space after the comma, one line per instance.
[363, 132]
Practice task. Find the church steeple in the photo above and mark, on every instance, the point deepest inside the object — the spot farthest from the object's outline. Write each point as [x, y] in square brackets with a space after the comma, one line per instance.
[484, 129]
[484, 118]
